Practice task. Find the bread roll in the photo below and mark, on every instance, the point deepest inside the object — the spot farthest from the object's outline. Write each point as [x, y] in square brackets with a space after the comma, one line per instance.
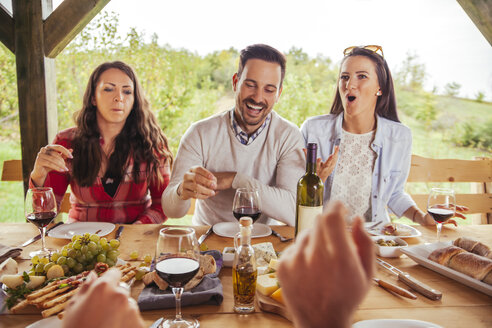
[473, 246]
[443, 255]
[488, 278]
[471, 264]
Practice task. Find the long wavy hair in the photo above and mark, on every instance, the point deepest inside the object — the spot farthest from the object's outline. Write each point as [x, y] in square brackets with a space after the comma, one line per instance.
[141, 138]
[386, 103]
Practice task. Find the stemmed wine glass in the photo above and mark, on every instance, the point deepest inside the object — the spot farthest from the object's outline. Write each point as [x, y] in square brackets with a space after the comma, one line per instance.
[177, 262]
[441, 205]
[247, 203]
[40, 209]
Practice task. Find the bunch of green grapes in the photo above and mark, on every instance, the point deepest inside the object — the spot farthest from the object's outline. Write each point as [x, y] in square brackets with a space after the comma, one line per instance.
[81, 254]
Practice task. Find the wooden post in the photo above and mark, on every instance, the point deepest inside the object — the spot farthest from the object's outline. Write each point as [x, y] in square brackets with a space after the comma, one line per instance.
[36, 85]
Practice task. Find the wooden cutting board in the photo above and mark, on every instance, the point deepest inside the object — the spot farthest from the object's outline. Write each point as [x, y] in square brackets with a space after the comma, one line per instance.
[268, 304]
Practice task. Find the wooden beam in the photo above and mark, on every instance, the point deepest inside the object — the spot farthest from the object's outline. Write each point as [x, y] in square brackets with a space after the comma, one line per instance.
[67, 21]
[6, 29]
[480, 12]
[36, 85]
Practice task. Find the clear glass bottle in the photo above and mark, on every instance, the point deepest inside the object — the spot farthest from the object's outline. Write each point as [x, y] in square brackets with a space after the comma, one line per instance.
[244, 271]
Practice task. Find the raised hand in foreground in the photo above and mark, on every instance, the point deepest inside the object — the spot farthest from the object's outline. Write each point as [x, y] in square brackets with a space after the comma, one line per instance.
[100, 303]
[327, 272]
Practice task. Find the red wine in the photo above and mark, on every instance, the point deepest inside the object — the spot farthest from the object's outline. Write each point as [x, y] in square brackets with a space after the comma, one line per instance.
[41, 219]
[177, 271]
[440, 215]
[252, 212]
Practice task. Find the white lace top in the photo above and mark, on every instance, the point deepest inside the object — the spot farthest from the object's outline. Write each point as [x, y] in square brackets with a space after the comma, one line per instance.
[353, 176]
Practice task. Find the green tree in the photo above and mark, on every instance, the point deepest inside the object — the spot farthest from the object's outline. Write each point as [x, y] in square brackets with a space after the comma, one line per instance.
[452, 89]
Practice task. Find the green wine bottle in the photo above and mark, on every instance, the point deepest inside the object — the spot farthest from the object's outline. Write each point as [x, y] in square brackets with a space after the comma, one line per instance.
[309, 193]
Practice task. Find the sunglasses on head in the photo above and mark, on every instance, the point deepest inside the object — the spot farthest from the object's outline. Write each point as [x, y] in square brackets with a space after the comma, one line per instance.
[373, 48]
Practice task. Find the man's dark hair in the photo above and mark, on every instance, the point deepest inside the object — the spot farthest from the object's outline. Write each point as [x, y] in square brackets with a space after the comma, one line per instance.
[263, 52]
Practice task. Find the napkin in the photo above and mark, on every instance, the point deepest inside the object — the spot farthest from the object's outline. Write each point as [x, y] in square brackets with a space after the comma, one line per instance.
[6, 252]
[208, 291]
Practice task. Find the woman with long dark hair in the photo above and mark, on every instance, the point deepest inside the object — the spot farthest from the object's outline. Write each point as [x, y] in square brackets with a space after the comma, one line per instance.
[365, 151]
[116, 159]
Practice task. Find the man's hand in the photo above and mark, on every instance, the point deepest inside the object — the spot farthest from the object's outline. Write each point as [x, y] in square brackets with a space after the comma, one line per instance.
[327, 273]
[224, 180]
[199, 183]
[101, 303]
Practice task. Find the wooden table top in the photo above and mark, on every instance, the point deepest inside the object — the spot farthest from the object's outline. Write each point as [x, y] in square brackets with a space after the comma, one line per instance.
[460, 306]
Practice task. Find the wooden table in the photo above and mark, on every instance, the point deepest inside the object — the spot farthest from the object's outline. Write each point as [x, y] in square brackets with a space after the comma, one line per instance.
[461, 306]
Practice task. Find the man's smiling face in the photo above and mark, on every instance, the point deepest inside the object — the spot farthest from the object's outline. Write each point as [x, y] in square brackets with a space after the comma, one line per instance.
[256, 90]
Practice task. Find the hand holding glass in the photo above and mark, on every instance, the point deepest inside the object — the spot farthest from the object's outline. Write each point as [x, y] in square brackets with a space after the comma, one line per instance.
[40, 209]
[177, 262]
[441, 205]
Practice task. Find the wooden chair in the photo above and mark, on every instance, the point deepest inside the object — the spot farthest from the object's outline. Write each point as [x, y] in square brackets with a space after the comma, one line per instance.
[12, 171]
[478, 172]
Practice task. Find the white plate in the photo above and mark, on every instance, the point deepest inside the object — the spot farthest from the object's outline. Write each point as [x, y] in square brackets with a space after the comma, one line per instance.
[420, 254]
[51, 322]
[66, 231]
[230, 229]
[394, 323]
[405, 230]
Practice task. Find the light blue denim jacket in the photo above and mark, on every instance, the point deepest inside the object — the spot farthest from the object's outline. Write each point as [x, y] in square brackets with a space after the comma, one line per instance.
[393, 147]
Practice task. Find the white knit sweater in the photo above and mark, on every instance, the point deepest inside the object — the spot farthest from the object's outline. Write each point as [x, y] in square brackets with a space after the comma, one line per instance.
[273, 163]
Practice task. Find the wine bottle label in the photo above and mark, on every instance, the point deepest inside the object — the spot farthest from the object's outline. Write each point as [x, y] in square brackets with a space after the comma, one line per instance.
[307, 216]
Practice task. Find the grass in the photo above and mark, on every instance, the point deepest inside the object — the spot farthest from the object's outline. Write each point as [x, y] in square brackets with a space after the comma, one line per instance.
[427, 141]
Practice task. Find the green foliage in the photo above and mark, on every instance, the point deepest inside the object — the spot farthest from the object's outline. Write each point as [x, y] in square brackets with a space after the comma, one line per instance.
[474, 135]
[452, 89]
[418, 104]
[480, 96]
[411, 76]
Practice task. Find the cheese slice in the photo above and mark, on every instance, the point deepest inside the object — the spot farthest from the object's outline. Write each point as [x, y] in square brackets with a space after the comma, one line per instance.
[264, 253]
[267, 284]
[277, 295]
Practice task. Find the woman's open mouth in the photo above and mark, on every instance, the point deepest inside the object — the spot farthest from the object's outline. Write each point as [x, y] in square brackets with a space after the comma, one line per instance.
[351, 98]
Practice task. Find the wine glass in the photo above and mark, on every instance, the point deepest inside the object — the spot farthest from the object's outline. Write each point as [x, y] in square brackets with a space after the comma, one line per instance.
[247, 203]
[441, 205]
[177, 262]
[40, 209]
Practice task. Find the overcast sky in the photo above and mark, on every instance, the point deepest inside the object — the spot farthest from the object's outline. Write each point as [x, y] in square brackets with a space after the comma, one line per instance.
[438, 31]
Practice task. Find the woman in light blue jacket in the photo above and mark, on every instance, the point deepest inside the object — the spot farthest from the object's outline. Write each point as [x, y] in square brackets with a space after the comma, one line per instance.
[364, 150]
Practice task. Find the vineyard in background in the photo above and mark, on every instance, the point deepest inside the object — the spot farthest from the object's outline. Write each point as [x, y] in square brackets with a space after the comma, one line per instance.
[184, 87]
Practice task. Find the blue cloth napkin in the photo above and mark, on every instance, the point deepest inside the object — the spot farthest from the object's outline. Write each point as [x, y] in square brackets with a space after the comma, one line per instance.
[208, 291]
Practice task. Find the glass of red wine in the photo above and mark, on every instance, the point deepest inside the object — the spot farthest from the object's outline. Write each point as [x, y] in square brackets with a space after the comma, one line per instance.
[247, 203]
[40, 209]
[177, 262]
[441, 205]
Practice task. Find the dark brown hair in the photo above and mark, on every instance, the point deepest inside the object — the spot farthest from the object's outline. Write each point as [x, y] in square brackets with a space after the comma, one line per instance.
[386, 103]
[263, 52]
[140, 139]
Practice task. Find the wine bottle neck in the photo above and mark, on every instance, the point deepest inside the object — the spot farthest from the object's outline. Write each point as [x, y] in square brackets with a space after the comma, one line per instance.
[311, 167]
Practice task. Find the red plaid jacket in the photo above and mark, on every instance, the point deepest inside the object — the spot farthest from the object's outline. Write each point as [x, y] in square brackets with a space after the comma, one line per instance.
[133, 202]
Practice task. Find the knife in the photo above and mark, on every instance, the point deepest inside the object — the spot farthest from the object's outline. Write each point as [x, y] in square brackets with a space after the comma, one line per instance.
[118, 232]
[410, 281]
[205, 235]
[395, 289]
[37, 237]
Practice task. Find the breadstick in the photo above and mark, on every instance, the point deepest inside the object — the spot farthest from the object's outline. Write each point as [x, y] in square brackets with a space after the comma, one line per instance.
[57, 308]
[60, 299]
[49, 295]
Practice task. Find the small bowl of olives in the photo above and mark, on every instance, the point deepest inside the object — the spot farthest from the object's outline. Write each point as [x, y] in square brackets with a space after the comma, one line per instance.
[389, 246]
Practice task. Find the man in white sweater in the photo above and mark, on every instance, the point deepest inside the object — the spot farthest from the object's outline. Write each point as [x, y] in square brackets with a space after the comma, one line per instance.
[248, 146]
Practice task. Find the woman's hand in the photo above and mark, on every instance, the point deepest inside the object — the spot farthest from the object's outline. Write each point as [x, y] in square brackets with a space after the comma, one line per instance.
[426, 219]
[51, 157]
[324, 169]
